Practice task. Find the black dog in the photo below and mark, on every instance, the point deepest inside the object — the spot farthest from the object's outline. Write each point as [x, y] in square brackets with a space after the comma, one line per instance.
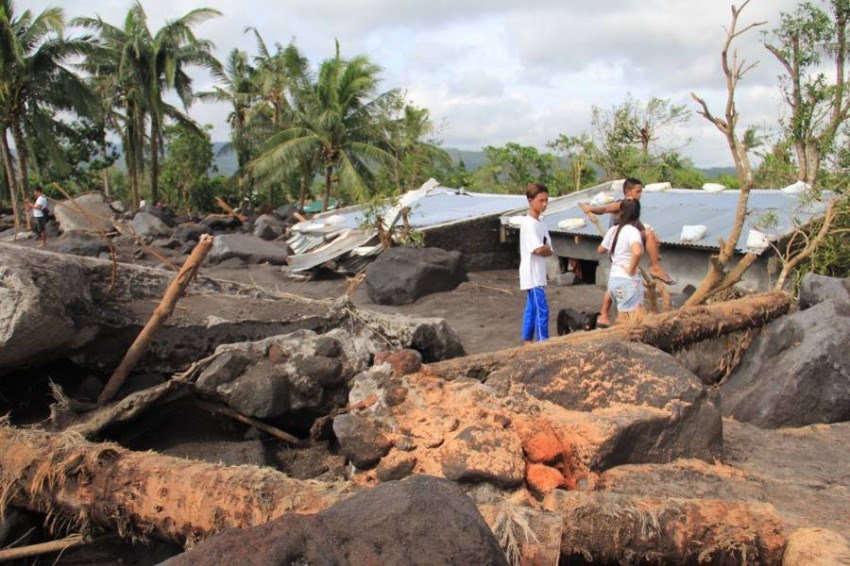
[570, 320]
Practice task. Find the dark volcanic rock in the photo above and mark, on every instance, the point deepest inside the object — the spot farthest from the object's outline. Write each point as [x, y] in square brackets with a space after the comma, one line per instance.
[796, 372]
[818, 288]
[248, 248]
[268, 227]
[78, 243]
[191, 231]
[419, 521]
[148, 227]
[360, 440]
[401, 275]
[246, 453]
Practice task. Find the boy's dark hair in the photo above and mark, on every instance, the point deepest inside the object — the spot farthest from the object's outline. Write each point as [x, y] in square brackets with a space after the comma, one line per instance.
[37, 189]
[534, 189]
[629, 183]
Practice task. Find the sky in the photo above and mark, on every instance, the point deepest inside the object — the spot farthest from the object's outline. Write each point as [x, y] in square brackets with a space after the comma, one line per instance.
[503, 70]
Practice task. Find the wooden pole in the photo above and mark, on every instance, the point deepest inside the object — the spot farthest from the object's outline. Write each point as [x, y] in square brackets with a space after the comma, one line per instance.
[163, 311]
[43, 548]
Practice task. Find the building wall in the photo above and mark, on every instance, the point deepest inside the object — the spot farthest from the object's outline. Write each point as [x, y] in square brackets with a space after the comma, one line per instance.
[479, 242]
[685, 265]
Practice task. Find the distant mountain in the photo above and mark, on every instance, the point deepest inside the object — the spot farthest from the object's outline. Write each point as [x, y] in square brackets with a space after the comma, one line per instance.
[224, 160]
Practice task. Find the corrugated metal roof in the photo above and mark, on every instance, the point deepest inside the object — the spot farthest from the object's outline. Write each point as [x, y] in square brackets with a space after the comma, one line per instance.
[668, 211]
[331, 235]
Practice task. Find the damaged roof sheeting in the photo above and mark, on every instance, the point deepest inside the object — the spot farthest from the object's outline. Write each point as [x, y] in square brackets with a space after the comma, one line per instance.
[673, 213]
[338, 235]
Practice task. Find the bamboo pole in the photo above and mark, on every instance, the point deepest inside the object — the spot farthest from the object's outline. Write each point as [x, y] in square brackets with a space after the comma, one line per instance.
[162, 311]
[43, 548]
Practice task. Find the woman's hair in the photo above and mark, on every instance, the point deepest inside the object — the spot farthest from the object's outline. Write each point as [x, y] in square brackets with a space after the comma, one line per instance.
[629, 214]
[534, 189]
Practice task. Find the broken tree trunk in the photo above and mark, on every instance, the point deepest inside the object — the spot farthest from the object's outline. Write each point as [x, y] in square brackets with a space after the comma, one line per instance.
[604, 528]
[140, 494]
[162, 311]
[668, 331]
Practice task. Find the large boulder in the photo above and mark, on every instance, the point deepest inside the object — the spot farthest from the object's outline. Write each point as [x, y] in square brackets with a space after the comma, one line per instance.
[86, 213]
[250, 249]
[420, 520]
[816, 288]
[148, 227]
[301, 371]
[268, 227]
[401, 275]
[796, 372]
[80, 243]
[675, 416]
[191, 231]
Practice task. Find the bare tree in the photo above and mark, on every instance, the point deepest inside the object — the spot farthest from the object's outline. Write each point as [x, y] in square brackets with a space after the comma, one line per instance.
[720, 276]
[819, 105]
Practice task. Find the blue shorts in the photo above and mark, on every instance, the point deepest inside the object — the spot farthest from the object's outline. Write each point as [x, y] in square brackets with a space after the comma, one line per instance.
[628, 293]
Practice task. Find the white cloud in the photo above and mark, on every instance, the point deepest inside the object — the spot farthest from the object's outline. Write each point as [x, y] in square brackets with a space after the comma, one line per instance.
[501, 70]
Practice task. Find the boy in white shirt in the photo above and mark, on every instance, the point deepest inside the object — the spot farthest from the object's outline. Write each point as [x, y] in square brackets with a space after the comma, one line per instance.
[534, 246]
[38, 208]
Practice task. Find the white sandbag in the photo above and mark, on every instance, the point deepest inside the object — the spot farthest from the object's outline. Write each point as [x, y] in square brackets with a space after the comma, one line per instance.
[656, 187]
[693, 232]
[601, 199]
[796, 188]
[571, 223]
[713, 187]
[617, 186]
[757, 240]
[516, 220]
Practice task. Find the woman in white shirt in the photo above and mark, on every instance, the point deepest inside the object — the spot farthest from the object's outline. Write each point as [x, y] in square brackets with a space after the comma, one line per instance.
[624, 244]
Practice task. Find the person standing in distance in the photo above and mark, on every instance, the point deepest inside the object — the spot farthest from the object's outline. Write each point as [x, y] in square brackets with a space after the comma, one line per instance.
[534, 246]
[38, 208]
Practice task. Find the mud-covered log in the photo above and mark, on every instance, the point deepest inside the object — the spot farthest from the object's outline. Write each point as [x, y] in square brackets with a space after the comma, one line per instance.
[142, 494]
[607, 528]
[668, 331]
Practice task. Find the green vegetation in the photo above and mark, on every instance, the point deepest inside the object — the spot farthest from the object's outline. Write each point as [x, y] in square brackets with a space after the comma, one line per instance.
[84, 105]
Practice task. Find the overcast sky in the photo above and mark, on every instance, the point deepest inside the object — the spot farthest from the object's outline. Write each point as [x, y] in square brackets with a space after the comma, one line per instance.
[496, 71]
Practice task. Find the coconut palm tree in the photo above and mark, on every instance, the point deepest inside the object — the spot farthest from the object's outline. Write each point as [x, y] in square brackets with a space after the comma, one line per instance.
[336, 120]
[142, 66]
[35, 86]
[237, 85]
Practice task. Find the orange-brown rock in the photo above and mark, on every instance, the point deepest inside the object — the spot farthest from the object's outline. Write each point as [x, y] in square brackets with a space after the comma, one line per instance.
[542, 479]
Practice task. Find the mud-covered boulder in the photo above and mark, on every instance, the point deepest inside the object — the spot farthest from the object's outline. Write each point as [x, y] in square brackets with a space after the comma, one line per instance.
[267, 227]
[418, 521]
[668, 410]
[222, 223]
[80, 243]
[148, 227]
[816, 288]
[191, 231]
[816, 547]
[250, 249]
[796, 372]
[85, 213]
[401, 275]
[484, 453]
[301, 371]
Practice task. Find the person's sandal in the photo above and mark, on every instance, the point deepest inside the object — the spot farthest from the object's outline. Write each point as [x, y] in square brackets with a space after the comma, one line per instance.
[666, 279]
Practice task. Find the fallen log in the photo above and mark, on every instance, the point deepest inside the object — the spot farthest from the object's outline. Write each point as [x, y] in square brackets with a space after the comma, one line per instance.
[668, 331]
[144, 494]
[605, 528]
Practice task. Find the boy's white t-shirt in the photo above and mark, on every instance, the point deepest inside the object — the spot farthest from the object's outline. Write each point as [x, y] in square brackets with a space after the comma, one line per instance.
[42, 201]
[532, 268]
[622, 256]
